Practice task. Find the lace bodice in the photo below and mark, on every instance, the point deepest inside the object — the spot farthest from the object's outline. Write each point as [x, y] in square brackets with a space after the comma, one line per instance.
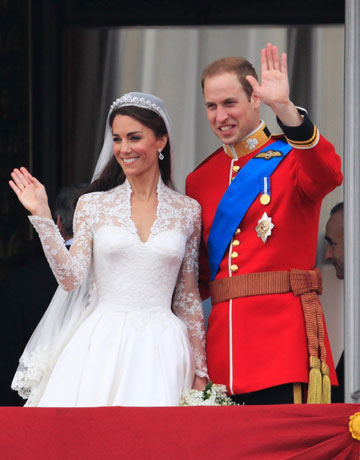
[128, 274]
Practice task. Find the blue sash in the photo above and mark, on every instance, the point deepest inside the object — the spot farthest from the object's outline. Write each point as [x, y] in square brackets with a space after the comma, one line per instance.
[238, 198]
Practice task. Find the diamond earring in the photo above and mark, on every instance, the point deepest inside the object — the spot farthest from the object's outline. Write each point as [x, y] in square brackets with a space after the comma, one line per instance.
[161, 155]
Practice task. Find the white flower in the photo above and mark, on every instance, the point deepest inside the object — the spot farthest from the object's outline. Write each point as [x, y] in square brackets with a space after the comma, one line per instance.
[213, 395]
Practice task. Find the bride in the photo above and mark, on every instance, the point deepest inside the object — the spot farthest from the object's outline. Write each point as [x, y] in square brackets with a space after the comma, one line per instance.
[125, 326]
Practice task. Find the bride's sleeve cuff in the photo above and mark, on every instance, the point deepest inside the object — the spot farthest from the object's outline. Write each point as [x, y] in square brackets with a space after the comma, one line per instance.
[201, 373]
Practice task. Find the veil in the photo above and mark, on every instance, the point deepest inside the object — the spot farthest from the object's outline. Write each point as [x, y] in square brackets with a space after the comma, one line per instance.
[67, 310]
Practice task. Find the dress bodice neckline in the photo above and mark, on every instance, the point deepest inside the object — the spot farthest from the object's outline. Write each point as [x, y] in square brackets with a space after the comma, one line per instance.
[159, 190]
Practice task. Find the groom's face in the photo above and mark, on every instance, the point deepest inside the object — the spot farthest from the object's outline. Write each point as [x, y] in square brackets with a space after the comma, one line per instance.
[232, 116]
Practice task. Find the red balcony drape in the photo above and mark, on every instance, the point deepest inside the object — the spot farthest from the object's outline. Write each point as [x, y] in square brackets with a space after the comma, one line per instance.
[307, 432]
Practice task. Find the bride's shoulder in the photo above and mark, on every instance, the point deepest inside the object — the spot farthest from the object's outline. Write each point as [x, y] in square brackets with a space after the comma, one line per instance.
[101, 196]
[93, 201]
[90, 198]
[185, 201]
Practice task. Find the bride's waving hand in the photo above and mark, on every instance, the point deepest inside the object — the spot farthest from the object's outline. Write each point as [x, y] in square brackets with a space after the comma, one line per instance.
[30, 192]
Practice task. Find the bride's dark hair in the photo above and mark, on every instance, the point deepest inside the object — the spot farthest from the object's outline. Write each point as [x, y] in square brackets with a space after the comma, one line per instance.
[113, 174]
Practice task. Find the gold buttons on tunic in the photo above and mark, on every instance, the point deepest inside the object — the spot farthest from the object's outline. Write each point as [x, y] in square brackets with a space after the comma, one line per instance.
[234, 255]
[236, 243]
[235, 168]
[237, 231]
[234, 268]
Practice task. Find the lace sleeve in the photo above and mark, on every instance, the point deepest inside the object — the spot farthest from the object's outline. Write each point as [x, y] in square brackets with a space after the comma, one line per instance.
[187, 304]
[69, 267]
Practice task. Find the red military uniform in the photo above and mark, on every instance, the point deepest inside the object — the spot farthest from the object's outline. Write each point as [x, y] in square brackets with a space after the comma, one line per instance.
[258, 342]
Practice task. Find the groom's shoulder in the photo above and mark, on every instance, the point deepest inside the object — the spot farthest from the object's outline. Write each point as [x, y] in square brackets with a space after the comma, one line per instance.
[208, 162]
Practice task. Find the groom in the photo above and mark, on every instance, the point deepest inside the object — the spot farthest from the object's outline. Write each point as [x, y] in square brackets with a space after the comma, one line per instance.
[261, 196]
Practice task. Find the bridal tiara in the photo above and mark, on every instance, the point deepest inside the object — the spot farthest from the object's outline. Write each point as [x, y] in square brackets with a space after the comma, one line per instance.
[130, 100]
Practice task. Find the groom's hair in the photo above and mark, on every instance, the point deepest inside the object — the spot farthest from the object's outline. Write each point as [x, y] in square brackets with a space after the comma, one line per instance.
[237, 65]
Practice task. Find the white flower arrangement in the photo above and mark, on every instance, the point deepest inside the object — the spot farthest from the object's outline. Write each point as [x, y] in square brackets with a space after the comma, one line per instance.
[213, 395]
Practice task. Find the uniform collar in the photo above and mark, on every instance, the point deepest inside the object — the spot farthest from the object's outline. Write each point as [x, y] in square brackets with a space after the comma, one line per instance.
[251, 142]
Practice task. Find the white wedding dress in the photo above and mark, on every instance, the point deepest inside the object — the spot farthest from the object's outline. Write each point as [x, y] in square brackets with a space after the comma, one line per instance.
[142, 340]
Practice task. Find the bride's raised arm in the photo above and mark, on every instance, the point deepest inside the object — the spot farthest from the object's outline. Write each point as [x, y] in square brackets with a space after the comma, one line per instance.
[69, 267]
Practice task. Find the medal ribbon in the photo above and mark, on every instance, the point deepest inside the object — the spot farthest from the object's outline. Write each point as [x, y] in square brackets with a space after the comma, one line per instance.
[238, 198]
[265, 185]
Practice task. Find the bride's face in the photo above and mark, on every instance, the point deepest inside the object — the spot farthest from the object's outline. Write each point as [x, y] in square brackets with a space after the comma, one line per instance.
[135, 146]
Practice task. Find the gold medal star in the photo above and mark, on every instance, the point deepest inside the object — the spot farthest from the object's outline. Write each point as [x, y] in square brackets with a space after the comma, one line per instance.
[264, 227]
